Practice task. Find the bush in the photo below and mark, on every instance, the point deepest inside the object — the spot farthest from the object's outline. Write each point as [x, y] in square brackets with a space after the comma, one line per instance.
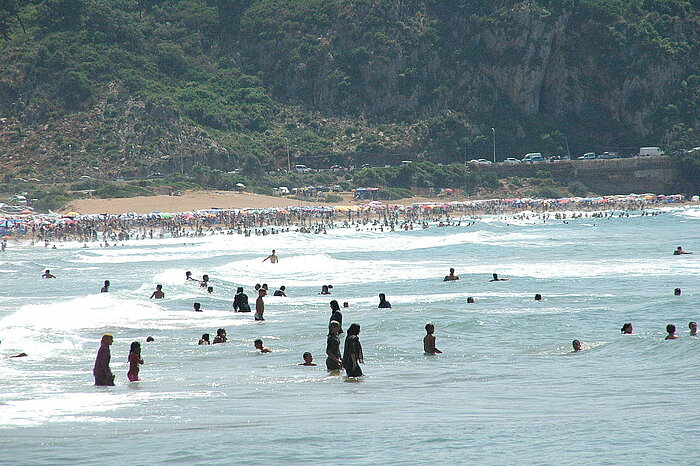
[577, 188]
[333, 198]
[392, 194]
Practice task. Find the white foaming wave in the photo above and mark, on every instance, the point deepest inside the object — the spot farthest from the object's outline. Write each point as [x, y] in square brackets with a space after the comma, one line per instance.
[418, 239]
[687, 212]
[317, 269]
[50, 326]
[573, 268]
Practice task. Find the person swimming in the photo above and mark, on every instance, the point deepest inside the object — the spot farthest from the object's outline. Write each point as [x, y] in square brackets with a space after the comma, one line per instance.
[693, 326]
[240, 301]
[538, 297]
[677, 292]
[671, 330]
[383, 303]
[47, 274]
[325, 289]
[679, 250]
[626, 329]
[470, 300]
[105, 288]
[576, 345]
[259, 346]
[308, 359]
[496, 279]
[205, 281]
[204, 340]
[158, 293]
[429, 340]
[451, 277]
[280, 292]
[197, 307]
[188, 277]
[220, 336]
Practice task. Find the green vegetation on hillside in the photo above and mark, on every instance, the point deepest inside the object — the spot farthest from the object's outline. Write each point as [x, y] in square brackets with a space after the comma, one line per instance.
[127, 87]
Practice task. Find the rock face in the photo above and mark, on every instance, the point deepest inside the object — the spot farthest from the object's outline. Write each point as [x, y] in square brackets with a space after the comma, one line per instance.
[579, 63]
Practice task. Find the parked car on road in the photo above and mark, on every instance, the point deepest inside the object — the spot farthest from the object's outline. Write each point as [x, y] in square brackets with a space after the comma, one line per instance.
[511, 160]
[588, 156]
[480, 161]
[533, 157]
[609, 155]
[646, 151]
[302, 169]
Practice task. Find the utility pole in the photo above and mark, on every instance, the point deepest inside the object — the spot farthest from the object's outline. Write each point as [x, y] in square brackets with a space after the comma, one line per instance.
[289, 161]
[494, 144]
[568, 154]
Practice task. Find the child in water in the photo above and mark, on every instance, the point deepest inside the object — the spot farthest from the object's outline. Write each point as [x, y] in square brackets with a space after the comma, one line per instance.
[429, 340]
[134, 361]
[308, 360]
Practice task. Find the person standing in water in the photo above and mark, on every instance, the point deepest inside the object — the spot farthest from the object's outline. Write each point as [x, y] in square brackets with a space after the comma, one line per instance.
[336, 315]
[496, 279]
[158, 294]
[671, 329]
[383, 303]
[576, 345]
[626, 329]
[693, 326]
[101, 371]
[240, 301]
[47, 274]
[273, 258]
[105, 288]
[352, 353]
[134, 361]
[260, 304]
[333, 361]
[451, 277]
[429, 340]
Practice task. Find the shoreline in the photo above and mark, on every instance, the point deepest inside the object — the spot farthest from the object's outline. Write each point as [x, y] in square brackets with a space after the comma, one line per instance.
[191, 201]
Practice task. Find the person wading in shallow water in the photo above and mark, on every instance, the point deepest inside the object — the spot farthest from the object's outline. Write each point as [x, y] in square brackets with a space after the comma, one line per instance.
[101, 371]
[352, 353]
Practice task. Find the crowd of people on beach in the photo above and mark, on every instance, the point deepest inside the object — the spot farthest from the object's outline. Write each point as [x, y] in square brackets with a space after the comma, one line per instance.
[110, 230]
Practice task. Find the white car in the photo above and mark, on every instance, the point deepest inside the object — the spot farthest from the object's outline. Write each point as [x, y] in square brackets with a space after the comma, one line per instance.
[511, 160]
[480, 161]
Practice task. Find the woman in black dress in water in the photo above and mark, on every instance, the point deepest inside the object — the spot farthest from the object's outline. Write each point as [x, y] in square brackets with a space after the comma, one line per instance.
[352, 353]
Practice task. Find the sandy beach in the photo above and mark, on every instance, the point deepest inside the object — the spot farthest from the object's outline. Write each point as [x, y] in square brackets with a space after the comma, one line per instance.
[198, 200]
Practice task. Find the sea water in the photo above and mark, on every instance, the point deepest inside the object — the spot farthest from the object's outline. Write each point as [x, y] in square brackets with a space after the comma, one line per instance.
[506, 389]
